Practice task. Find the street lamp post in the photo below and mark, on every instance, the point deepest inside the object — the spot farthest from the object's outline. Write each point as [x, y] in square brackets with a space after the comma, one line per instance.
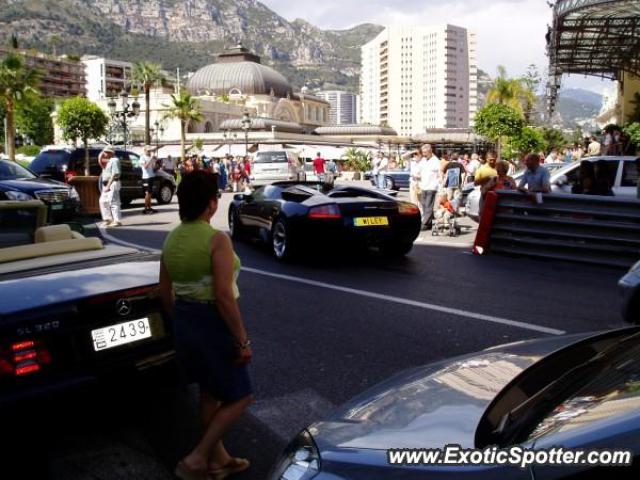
[126, 112]
[246, 125]
[229, 138]
[158, 130]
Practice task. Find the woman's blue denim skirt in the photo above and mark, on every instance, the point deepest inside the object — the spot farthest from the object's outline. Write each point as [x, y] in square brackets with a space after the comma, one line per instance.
[207, 353]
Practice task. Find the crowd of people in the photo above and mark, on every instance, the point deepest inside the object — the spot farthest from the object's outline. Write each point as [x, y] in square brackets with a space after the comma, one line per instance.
[234, 173]
[431, 178]
[436, 183]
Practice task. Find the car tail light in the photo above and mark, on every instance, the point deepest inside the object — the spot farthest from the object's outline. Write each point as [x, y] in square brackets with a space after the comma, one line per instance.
[20, 346]
[325, 212]
[408, 209]
[24, 358]
[26, 369]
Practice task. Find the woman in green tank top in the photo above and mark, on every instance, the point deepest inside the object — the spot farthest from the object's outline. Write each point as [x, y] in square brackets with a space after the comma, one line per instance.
[198, 283]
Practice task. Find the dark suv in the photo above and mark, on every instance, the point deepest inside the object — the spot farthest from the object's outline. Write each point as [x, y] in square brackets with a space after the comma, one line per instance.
[63, 163]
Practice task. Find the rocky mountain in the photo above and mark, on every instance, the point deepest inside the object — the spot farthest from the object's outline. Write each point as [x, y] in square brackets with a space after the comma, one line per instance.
[188, 34]
[577, 106]
[582, 96]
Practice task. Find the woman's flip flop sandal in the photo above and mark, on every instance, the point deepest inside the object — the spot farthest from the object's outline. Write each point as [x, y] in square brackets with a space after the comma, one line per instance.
[235, 465]
[185, 473]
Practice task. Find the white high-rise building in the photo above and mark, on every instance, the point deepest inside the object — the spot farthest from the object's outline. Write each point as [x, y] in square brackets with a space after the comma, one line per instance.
[105, 77]
[343, 106]
[418, 78]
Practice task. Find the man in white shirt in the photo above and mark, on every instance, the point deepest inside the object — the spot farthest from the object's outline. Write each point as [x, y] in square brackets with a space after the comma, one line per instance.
[429, 169]
[473, 165]
[147, 162]
[382, 169]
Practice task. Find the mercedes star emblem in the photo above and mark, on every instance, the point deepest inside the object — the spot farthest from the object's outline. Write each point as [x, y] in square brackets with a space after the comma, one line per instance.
[123, 307]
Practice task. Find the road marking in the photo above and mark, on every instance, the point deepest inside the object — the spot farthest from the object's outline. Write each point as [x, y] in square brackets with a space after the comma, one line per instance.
[408, 302]
[379, 296]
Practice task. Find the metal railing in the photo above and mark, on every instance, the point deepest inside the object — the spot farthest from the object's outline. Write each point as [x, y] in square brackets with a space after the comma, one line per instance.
[580, 228]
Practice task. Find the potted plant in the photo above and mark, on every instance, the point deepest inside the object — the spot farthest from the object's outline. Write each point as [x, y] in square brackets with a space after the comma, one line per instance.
[357, 161]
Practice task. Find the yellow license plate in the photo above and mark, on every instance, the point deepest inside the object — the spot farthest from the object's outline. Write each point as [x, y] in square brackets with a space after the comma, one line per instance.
[371, 222]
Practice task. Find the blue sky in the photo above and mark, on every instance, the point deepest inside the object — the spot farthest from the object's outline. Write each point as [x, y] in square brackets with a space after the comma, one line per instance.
[509, 32]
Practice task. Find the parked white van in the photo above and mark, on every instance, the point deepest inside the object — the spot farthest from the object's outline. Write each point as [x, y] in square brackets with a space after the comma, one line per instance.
[276, 166]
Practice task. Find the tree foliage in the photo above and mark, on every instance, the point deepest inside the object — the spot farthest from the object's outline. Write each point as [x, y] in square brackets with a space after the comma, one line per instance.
[528, 140]
[33, 119]
[17, 84]
[186, 109]
[498, 120]
[147, 74]
[553, 139]
[29, 150]
[632, 130]
[511, 92]
[517, 93]
[530, 101]
[81, 119]
[357, 160]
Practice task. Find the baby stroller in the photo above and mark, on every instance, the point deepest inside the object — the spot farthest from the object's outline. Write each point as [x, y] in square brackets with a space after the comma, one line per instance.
[446, 215]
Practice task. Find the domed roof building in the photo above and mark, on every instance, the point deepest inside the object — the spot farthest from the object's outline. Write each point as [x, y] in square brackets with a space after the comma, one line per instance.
[239, 72]
[238, 78]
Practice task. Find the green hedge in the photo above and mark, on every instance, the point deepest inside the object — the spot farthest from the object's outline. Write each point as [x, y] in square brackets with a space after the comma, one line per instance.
[29, 150]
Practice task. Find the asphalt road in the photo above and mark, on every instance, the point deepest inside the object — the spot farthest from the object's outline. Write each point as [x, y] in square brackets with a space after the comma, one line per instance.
[323, 330]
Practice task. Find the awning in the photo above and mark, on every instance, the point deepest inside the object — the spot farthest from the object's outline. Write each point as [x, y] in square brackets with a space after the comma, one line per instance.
[235, 150]
[170, 150]
[326, 152]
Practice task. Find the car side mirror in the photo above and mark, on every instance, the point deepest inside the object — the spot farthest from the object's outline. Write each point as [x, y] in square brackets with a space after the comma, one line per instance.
[561, 181]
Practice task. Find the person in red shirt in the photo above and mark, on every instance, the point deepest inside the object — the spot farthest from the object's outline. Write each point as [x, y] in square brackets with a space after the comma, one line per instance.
[318, 165]
[247, 169]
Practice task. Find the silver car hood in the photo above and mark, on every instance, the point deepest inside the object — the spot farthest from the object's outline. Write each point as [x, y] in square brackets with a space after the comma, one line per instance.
[431, 406]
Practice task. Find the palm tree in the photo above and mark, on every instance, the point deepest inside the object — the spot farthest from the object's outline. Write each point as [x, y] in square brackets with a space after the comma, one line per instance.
[506, 91]
[147, 74]
[16, 83]
[529, 101]
[186, 109]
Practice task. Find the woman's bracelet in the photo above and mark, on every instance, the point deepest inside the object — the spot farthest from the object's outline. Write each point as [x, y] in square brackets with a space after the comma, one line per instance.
[243, 345]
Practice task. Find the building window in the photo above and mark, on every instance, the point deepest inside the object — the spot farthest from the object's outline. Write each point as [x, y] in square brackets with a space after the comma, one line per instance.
[208, 127]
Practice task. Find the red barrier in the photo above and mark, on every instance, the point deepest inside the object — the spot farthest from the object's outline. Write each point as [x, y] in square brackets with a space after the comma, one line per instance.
[487, 216]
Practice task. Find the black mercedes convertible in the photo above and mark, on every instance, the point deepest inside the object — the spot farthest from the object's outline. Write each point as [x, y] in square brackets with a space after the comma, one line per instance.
[73, 311]
[294, 217]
